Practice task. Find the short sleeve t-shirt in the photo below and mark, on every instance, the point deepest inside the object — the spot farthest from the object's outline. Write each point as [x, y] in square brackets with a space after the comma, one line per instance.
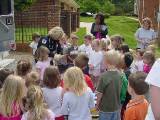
[146, 35]
[136, 109]
[42, 65]
[50, 116]
[33, 45]
[153, 79]
[78, 107]
[110, 86]
[53, 99]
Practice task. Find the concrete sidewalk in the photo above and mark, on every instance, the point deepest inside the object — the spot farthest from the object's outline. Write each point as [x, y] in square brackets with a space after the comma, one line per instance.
[87, 25]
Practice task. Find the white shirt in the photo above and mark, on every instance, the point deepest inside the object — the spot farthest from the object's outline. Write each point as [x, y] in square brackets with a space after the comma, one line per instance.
[78, 107]
[85, 49]
[153, 79]
[33, 45]
[137, 66]
[146, 35]
[50, 116]
[95, 59]
[53, 99]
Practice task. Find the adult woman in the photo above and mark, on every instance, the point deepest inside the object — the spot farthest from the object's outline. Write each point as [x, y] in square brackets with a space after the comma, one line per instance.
[153, 80]
[145, 35]
[51, 41]
[99, 28]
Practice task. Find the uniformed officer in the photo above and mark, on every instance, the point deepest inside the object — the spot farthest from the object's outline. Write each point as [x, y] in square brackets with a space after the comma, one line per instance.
[51, 41]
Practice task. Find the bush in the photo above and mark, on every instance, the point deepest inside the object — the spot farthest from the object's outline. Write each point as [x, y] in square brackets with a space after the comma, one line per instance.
[107, 15]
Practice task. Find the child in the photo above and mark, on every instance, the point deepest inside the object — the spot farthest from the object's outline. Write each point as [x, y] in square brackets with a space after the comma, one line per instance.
[23, 68]
[52, 91]
[11, 98]
[138, 106]
[124, 48]
[148, 59]
[73, 49]
[4, 73]
[34, 43]
[109, 89]
[116, 42]
[95, 61]
[104, 44]
[36, 107]
[86, 47]
[32, 79]
[81, 61]
[138, 62]
[128, 59]
[43, 62]
[78, 99]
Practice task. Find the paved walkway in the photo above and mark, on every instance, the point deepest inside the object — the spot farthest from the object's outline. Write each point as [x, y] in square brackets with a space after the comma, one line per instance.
[87, 25]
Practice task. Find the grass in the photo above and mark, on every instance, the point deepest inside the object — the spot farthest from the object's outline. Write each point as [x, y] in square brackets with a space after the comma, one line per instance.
[120, 25]
[27, 33]
[81, 33]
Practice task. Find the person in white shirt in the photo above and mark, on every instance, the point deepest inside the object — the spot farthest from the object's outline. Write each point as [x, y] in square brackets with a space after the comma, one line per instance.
[145, 35]
[78, 99]
[52, 91]
[95, 61]
[86, 47]
[36, 109]
[153, 80]
[138, 63]
[33, 45]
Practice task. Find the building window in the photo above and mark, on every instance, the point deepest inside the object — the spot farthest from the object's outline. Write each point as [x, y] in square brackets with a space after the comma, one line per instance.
[5, 7]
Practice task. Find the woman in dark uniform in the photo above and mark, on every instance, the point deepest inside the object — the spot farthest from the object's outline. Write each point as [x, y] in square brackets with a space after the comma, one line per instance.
[51, 41]
[99, 28]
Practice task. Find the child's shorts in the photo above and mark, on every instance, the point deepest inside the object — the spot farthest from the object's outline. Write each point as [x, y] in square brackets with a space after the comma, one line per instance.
[110, 115]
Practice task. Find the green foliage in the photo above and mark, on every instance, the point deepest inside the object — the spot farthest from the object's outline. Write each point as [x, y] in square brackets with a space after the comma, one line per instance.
[95, 6]
[21, 5]
[114, 7]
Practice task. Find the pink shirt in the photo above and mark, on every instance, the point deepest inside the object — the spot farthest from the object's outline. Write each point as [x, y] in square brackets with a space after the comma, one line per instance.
[146, 68]
[42, 65]
[16, 113]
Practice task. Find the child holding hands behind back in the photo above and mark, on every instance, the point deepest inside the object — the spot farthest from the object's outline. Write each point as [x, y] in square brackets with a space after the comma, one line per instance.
[109, 89]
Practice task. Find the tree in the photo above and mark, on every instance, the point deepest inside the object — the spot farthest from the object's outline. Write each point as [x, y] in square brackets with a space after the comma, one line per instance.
[21, 5]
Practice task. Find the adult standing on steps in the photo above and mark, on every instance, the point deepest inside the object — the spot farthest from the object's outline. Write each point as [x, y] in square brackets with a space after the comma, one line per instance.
[145, 35]
[99, 28]
[51, 41]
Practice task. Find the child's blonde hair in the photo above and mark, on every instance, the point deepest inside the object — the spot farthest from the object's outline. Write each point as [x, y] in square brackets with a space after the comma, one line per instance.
[32, 78]
[112, 57]
[151, 48]
[12, 94]
[43, 51]
[35, 103]
[150, 57]
[74, 80]
[104, 44]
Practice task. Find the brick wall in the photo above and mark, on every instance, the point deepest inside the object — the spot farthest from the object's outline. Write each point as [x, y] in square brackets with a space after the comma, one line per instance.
[48, 14]
[150, 10]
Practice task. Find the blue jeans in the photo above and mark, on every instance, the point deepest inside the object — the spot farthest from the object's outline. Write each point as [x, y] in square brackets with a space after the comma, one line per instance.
[110, 115]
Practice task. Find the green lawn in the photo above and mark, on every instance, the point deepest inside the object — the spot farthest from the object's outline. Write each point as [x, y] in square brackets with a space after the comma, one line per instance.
[120, 25]
[81, 33]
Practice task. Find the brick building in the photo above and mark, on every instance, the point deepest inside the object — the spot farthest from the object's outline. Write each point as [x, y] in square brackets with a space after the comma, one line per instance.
[46, 14]
[148, 8]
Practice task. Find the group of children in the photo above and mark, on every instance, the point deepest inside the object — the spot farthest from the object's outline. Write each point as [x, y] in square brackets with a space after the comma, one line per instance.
[100, 74]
